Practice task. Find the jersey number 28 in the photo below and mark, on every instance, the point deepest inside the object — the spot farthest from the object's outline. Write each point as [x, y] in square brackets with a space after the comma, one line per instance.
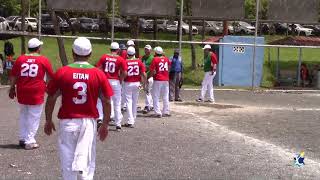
[29, 70]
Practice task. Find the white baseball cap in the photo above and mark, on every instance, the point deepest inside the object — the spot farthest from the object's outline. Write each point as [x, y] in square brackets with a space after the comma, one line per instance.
[115, 46]
[158, 50]
[131, 51]
[148, 47]
[207, 47]
[130, 43]
[82, 46]
[34, 42]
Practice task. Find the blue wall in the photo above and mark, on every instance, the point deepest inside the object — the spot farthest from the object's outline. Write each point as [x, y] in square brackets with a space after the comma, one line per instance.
[235, 62]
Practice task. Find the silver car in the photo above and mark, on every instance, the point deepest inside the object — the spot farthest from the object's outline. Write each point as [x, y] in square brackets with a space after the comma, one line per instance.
[211, 27]
[4, 26]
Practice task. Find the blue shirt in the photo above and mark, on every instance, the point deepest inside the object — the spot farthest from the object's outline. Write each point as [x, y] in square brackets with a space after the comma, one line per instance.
[176, 64]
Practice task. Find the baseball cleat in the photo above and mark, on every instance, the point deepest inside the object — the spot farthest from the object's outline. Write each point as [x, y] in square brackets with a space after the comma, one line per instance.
[22, 143]
[31, 146]
[199, 100]
[118, 128]
[129, 125]
[210, 101]
[166, 115]
[178, 100]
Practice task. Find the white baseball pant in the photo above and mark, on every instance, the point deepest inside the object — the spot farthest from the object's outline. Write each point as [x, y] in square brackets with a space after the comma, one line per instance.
[160, 88]
[132, 95]
[123, 97]
[207, 84]
[77, 148]
[29, 122]
[115, 103]
[148, 97]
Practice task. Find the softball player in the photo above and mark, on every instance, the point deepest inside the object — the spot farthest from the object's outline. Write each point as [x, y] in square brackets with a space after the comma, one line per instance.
[147, 59]
[115, 69]
[210, 67]
[80, 85]
[27, 81]
[159, 70]
[136, 71]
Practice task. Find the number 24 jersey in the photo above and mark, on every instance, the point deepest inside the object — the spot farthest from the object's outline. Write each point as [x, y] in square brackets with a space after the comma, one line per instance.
[80, 85]
[160, 65]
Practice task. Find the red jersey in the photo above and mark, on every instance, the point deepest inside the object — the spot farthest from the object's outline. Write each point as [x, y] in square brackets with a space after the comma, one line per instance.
[161, 66]
[30, 70]
[124, 54]
[111, 65]
[80, 85]
[135, 69]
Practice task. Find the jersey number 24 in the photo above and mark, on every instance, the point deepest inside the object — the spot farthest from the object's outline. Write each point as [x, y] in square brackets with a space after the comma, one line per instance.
[163, 66]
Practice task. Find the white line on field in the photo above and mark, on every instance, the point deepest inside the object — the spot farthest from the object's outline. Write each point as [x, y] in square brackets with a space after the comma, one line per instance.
[286, 154]
[262, 90]
[3, 87]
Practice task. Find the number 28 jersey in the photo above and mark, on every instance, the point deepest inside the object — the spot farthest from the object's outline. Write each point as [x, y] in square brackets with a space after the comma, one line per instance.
[111, 65]
[80, 85]
[161, 66]
[135, 69]
[30, 70]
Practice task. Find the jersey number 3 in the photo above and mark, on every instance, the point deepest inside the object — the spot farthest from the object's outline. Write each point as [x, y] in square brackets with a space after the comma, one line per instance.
[29, 70]
[81, 92]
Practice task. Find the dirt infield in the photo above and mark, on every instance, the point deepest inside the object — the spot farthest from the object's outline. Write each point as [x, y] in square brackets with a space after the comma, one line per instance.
[244, 136]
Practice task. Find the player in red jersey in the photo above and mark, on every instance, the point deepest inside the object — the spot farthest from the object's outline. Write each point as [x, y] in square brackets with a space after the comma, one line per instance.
[115, 69]
[136, 71]
[27, 81]
[159, 70]
[80, 84]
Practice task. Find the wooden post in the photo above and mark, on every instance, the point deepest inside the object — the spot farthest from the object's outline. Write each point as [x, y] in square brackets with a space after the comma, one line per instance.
[62, 51]
[155, 31]
[23, 26]
[225, 28]
[203, 33]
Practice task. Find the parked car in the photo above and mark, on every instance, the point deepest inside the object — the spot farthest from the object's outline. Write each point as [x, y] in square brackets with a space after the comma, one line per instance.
[75, 24]
[282, 28]
[315, 28]
[211, 27]
[172, 26]
[31, 24]
[230, 27]
[301, 31]
[88, 25]
[244, 28]
[4, 26]
[120, 25]
[12, 21]
[47, 26]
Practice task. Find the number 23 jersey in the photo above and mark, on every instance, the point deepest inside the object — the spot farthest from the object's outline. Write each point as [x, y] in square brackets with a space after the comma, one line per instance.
[30, 70]
[80, 85]
[160, 65]
[135, 69]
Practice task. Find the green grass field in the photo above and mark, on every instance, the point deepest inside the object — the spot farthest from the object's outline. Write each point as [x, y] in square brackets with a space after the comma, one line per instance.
[288, 56]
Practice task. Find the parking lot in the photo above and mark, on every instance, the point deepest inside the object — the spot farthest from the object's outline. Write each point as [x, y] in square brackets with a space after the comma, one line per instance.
[245, 135]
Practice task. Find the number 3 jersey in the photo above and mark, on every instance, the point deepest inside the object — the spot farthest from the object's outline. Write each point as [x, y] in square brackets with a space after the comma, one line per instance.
[111, 65]
[30, 70]
[161, 66]
[80, 85]
[135, 69]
